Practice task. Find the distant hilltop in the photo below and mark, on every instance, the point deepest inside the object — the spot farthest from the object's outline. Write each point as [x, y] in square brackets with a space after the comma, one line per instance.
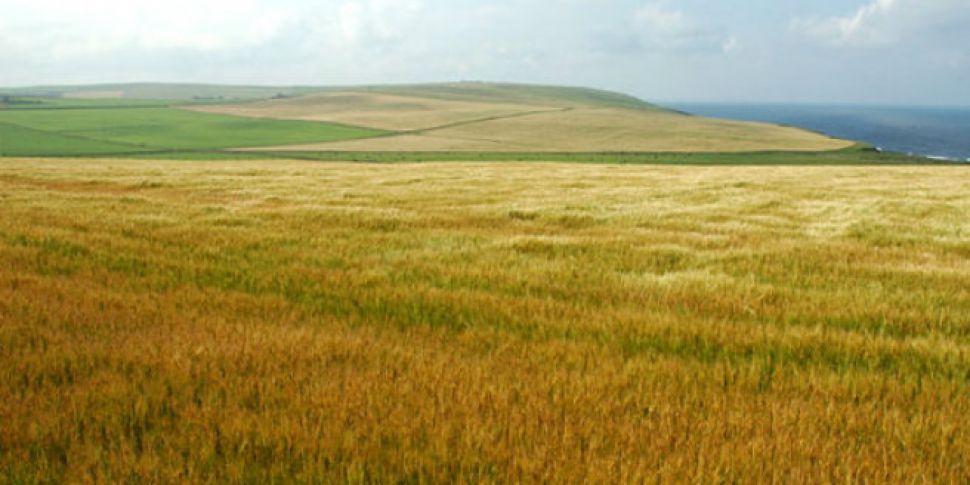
[462, 89]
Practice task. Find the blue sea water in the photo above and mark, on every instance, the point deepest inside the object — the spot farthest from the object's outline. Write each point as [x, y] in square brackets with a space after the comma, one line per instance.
[931, 132]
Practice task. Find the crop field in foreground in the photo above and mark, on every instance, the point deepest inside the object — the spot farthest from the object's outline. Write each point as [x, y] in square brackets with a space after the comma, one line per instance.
[247, 321]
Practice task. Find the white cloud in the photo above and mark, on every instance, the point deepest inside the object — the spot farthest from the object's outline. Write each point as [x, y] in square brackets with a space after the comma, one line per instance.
[620, 44]
[95, 27]
[172, 24]
[886, 22]
[368, 21]
[660, 26]
[731, 45]
[864, 27]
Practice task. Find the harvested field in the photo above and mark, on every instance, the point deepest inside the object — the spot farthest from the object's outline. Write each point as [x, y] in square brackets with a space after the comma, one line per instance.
[387, 112]
[477, 117]
[596, 130]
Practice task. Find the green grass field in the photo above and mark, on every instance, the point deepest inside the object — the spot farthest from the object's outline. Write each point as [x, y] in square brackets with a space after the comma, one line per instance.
[125, 130]
[19, 140]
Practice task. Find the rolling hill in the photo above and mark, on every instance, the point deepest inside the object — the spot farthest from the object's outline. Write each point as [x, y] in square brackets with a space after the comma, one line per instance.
[473, 116]
[467, 119]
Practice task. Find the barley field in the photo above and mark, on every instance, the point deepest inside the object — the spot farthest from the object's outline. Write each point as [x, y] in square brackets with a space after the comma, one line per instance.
[256, 322]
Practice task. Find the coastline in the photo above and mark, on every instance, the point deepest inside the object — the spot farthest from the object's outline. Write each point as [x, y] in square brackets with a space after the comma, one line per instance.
[931, 133]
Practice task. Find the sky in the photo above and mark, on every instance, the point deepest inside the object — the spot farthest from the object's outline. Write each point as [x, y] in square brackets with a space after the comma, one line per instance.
[820, 51]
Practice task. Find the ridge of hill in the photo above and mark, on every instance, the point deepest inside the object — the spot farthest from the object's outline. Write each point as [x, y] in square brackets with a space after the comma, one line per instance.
[475, 116]
[454, 91]
[516, 93]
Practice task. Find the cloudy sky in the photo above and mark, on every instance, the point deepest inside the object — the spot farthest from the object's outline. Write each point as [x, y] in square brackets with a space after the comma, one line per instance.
[865, 51]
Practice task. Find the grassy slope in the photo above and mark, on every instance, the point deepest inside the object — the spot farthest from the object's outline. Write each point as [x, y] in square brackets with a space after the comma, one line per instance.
[172, 322]
[18, 140]
[378, 110]
[480, 117]
[147, 129]
[176, 138]
[598, 129]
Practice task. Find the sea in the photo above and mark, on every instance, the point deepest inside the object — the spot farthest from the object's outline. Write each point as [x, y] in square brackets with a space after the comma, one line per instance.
[932, 132]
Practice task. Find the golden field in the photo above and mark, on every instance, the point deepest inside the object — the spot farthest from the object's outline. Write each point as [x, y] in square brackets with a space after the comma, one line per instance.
[374, 110]
[590, 129]
[250, 322]
[474, 117]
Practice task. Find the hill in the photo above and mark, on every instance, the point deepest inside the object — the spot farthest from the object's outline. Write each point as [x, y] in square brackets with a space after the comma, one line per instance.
[516, 93]
[468, 119]
[472, 116]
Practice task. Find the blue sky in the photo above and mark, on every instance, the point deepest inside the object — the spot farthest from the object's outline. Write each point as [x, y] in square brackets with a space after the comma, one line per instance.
[861, 51]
